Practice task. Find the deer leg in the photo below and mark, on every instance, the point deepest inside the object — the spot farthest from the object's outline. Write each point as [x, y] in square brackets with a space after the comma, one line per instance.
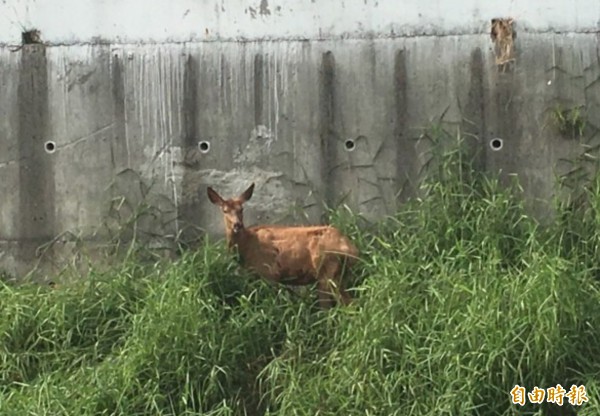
[338, 291]
[330, 281]
[321, 265]
[324, 293]
[345, 298]
[332, 290]
[344, 268]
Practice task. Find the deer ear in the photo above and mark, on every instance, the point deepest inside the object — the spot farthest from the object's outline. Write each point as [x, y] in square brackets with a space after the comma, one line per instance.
[247, 193]
[214, 197]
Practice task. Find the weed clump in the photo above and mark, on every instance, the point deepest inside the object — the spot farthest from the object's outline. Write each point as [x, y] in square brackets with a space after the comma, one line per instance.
[571, 122]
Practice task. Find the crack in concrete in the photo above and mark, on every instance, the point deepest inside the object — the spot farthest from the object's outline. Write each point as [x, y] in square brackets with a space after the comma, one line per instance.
[82, 79]
[86, 137]
[63, 146]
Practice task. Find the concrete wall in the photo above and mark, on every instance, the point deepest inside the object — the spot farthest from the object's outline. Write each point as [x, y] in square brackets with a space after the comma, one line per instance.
[129, 91]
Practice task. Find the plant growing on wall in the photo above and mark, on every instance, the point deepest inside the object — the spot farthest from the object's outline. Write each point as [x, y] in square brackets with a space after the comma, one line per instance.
[571, 122]
[140, 217]
[503, 35]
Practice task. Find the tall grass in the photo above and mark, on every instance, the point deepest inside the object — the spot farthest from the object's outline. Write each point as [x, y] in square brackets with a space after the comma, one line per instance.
[460, 296]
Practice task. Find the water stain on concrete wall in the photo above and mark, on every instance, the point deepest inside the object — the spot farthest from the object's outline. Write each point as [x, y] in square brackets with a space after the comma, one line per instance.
[36, 163]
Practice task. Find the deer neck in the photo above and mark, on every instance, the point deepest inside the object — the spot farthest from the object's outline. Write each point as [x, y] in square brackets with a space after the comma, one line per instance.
[236, 243]
[235, 239]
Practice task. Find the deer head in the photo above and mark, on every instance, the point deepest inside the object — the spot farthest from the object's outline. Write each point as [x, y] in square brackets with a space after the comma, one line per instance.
[233, 210]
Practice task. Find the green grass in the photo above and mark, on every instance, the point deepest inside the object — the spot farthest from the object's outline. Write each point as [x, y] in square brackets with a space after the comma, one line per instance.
[459, 296]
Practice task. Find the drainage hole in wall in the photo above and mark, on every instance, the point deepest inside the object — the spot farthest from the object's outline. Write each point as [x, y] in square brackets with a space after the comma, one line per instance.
[50, 146]
[349, 145]
[204, 147]
[496, 144]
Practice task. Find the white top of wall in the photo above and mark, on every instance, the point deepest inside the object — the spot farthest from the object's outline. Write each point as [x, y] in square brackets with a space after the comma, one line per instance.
[132, 21]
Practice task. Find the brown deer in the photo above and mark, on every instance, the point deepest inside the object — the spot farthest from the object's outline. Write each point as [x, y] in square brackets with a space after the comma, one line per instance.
[298, 255]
